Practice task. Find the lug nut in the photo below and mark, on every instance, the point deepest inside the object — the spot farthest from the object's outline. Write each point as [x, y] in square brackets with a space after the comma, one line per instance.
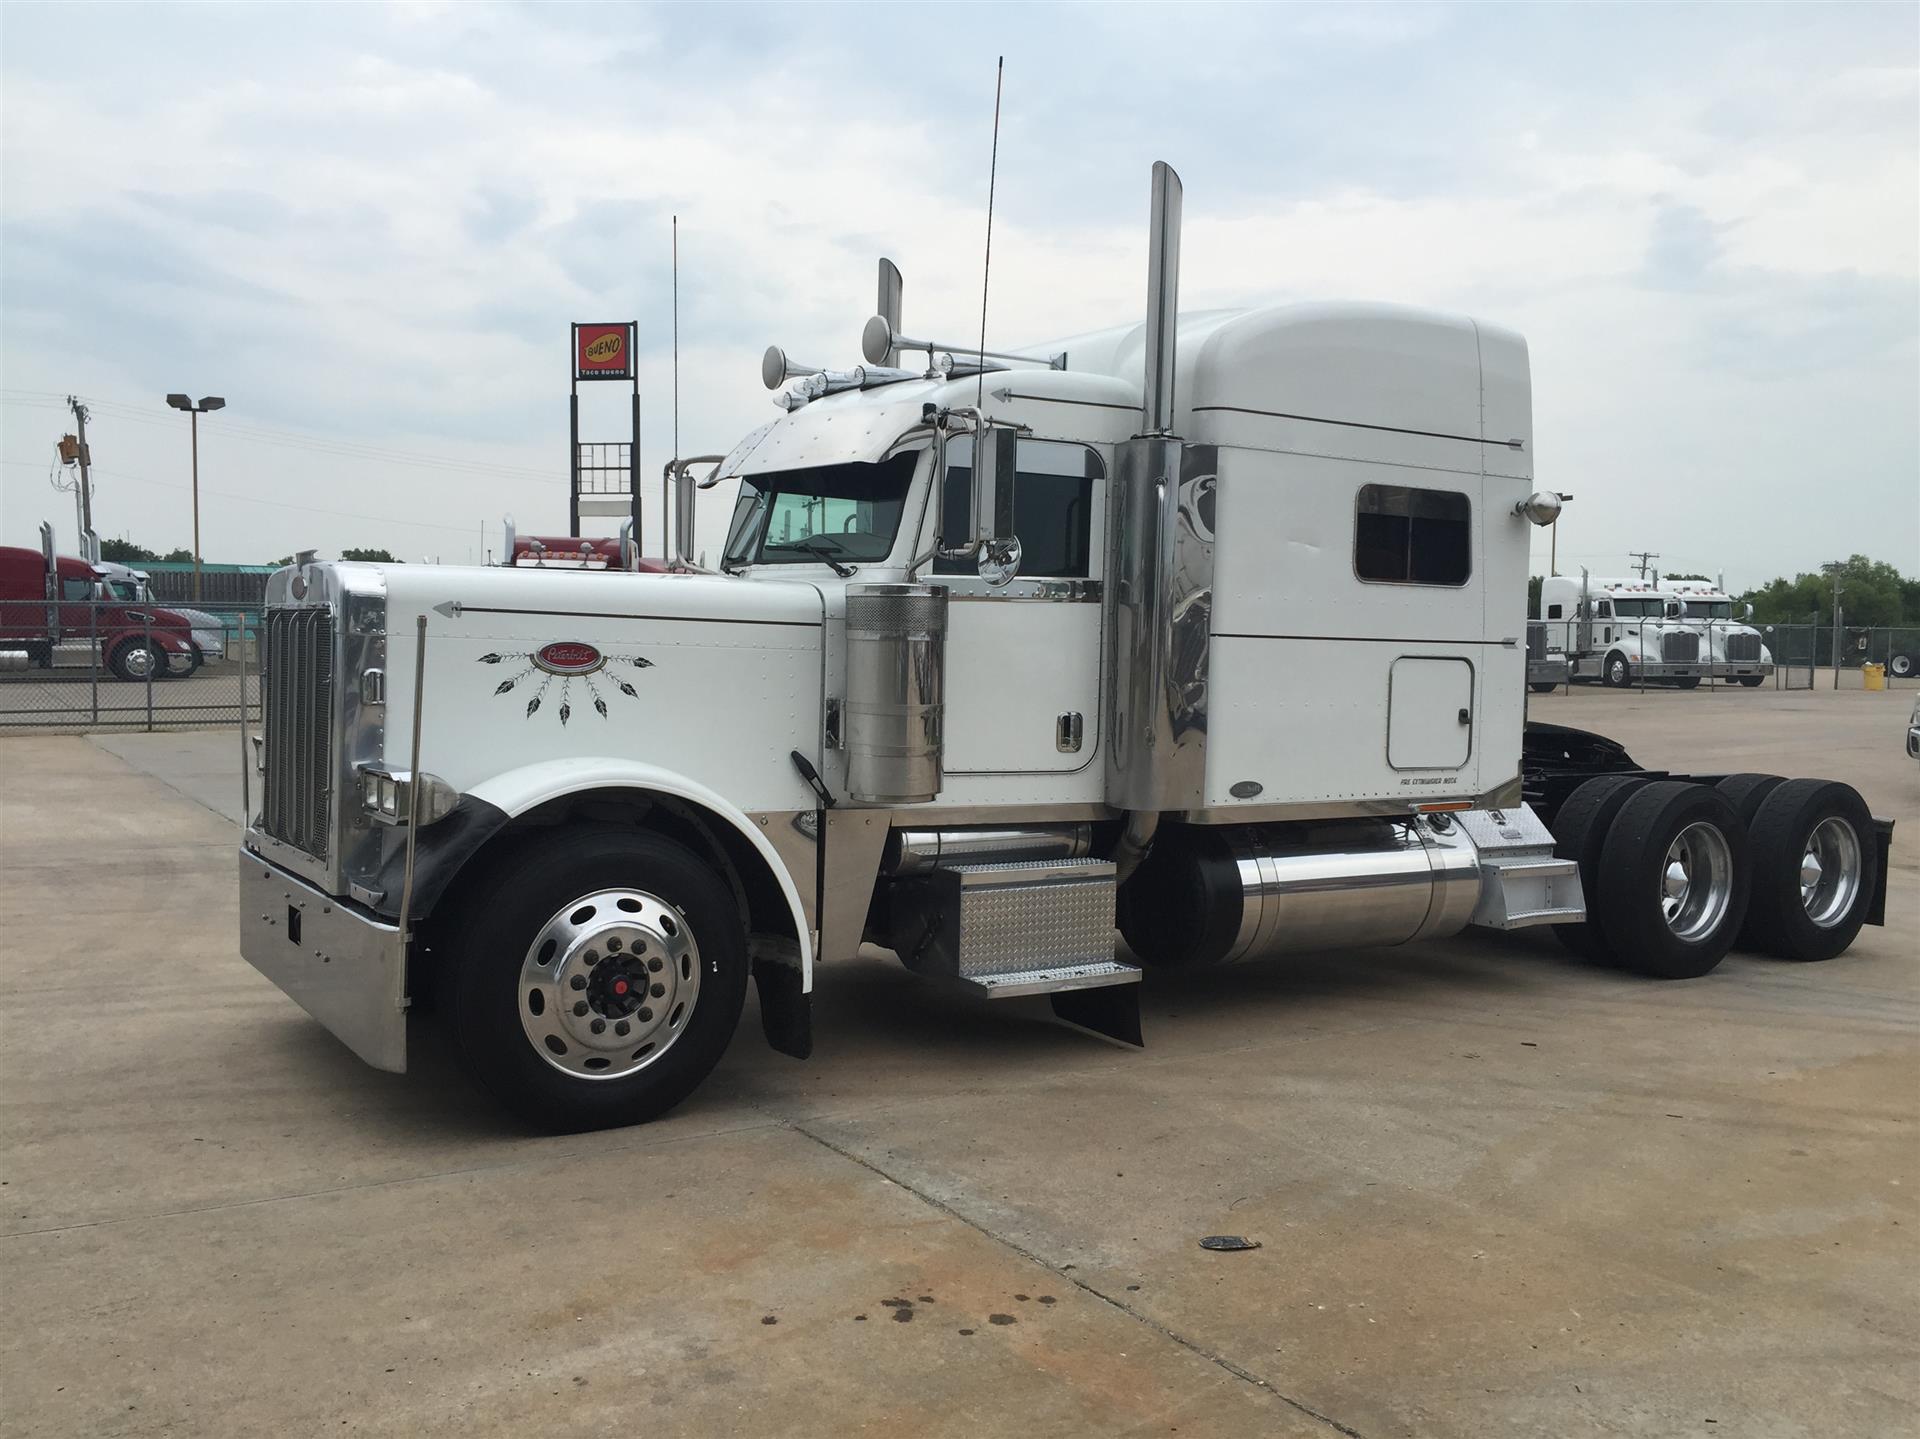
[646, 1014]
[591, 957]
[613, 945]
[659, 991]
[654, 965]
[622, 1027]
[579, 981]
[580, 1008]
[599, 1026]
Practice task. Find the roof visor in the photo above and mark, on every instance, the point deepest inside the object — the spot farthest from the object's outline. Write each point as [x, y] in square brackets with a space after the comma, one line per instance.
[862, 432]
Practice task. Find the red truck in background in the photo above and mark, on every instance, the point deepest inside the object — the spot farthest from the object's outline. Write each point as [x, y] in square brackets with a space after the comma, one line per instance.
[48, 600]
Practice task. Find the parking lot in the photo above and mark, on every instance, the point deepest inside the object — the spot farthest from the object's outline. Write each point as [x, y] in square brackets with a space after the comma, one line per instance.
[1495, 1191]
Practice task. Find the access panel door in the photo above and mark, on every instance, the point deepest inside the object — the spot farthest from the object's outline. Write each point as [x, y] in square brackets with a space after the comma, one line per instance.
[1429, 713]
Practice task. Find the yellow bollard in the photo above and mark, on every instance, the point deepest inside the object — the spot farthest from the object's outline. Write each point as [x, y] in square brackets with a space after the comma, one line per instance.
[1873, 677]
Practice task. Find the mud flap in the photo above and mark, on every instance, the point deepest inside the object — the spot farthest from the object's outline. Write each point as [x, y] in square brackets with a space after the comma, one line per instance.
[786, 1010]
[1112, 1010]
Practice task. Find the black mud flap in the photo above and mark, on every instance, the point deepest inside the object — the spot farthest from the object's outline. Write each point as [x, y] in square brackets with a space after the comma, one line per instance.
[1883, 843]
[1112, 1010]
[786, 1010]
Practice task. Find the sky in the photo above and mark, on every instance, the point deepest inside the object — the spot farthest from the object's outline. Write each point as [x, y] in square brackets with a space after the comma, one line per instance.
[368, 229]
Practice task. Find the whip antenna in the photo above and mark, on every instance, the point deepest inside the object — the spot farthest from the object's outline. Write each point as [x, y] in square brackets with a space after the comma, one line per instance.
[664, 547]
[986, 266]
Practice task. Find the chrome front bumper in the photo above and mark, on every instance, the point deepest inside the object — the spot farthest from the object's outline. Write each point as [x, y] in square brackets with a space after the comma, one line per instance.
[345, 968]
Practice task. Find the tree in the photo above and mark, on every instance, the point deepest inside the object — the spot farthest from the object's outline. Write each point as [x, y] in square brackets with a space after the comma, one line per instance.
[125, 552]
[177, 557]
[1533, 597]
[380, 557]
[1708, 578]
[1872, 592]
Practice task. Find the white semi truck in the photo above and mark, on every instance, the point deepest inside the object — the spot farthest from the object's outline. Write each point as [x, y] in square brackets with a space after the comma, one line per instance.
[1620, 632]
[1210, 630]
[1733, 649]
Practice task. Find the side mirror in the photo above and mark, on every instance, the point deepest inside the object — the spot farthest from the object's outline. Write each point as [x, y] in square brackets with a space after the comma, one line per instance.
[1746, 612]
[1676, 608]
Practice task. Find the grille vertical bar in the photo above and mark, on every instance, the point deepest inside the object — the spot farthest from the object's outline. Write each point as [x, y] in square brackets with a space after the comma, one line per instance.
[299, 728]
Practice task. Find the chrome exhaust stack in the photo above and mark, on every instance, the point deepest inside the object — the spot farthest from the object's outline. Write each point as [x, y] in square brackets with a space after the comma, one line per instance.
[1160, 574]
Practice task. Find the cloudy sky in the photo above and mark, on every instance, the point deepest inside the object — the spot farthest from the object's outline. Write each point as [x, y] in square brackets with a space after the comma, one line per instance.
[368, 228]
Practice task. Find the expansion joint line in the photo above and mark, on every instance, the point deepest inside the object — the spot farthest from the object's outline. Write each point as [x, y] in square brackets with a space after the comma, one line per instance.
[1190, 1345]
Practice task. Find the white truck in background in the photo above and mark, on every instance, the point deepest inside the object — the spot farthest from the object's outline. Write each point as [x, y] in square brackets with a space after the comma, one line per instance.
[1733, 649]
[1001, 655]
[1618, 632]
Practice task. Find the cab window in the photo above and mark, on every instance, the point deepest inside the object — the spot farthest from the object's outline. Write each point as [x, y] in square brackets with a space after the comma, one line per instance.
[75, 589]
[830, 513]
[1052, 507]
[1408, 536]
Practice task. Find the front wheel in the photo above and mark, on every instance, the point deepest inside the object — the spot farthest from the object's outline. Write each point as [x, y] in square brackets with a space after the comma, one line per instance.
[1752, 682]
[597, 978]
[1543, 687]
[1618, 674]
[1687, 682]
[136, 661]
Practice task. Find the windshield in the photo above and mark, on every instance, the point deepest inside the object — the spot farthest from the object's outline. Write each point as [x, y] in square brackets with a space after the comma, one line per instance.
[831, 512]
[121, 589]
[1709, 609]
[1639, 609]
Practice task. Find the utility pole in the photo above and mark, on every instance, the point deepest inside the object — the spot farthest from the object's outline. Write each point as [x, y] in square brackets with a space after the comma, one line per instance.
[86, 484]
[210, 403]
[1834, 568]
[1641, 559]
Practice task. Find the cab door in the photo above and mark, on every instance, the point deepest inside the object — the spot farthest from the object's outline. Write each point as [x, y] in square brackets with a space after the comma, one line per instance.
[1023, 659]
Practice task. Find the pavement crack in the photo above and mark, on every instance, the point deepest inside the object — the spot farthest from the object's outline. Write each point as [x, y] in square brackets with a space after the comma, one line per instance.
[1192, 1346]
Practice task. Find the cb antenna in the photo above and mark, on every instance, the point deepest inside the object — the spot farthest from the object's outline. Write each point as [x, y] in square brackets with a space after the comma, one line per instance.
[986, 266]
[666, 551]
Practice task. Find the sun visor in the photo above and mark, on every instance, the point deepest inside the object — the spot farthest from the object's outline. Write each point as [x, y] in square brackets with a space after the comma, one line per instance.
[823, 434]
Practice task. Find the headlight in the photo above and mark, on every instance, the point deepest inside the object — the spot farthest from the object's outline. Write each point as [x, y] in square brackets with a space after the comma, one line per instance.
[395, 796]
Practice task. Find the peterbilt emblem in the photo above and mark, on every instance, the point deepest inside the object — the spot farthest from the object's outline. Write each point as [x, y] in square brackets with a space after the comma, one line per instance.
[568, 657]
[570, 662]
[1245, 789]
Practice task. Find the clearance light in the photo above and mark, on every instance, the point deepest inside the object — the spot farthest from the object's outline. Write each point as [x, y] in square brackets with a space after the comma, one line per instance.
[1445, 806]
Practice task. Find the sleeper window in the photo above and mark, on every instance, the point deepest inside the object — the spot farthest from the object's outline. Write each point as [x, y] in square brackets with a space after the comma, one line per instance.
[1052, 507]
[1413, 537]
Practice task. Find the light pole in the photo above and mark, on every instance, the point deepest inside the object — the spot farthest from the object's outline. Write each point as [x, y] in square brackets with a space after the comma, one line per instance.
[210, 403]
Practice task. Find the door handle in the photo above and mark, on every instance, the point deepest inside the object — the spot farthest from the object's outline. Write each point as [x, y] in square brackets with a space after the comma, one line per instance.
[1067, 732]
[1466, 717]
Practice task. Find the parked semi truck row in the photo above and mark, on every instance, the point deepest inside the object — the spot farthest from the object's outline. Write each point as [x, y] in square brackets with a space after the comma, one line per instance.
[1210, 630]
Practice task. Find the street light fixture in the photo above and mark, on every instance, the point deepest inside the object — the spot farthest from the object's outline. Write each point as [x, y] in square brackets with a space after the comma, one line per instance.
[206, 406]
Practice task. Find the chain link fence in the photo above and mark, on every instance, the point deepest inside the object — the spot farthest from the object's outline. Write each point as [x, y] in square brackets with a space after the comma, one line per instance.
[89, 665]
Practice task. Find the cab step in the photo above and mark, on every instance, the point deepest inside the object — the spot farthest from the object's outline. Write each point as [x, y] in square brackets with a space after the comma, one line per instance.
[1022, 927]
[1522, 881]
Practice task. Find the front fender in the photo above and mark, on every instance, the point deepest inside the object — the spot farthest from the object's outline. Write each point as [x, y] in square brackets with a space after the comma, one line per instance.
[517, 791]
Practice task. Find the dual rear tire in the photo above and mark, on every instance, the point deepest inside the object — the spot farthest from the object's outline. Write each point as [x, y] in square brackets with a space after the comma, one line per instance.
[1676, 873]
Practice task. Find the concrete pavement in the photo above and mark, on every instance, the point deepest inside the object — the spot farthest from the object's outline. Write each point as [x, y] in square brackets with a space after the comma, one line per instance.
[1497, 1192]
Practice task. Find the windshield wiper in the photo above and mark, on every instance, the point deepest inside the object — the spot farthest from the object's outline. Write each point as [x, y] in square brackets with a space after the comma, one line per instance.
[815, 545]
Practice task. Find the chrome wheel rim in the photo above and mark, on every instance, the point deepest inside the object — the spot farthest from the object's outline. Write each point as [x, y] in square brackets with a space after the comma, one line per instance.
[1830, 872]
[140, 662]
[1696, 883]
[1618, 672]
[609, 983]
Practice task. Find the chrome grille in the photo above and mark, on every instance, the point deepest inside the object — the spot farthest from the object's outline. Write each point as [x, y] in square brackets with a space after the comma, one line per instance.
[1743, 647]
[1680, 647]
[297, 687]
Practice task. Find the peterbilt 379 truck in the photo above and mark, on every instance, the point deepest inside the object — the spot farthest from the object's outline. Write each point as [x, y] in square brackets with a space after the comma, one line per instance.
[1210, 630]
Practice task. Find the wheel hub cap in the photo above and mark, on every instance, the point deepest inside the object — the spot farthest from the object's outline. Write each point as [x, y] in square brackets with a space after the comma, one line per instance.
[1696, 882]
[1830, 872]
[609, 983]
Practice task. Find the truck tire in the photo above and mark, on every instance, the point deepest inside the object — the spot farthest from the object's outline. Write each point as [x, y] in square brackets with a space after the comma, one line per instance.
[39, 655]
[1616, 673]
[1674, 880]
[597, 977]
[135, 659]
[188, 665]
[1752, 682]
[1815, 866]
[1745, 792]
[1901, 665]
[1686, 682]
[1542, 687]
[1579, 832]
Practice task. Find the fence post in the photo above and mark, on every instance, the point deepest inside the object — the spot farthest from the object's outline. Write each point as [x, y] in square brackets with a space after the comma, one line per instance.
[153, 660]
[93, 657]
